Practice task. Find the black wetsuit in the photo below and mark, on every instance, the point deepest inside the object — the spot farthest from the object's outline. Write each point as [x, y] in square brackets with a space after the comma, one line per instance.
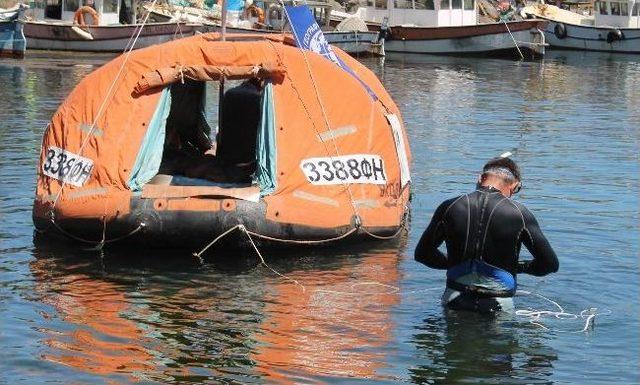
[483, 232]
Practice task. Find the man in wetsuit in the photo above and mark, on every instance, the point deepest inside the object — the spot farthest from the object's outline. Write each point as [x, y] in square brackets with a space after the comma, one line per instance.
[483, 232]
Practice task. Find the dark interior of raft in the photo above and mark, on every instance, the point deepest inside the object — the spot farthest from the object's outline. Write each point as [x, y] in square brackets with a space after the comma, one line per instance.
[191, 156]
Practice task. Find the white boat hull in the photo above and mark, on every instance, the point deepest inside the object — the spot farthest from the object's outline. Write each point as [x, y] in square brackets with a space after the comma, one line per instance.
[470, 40]
[589, 38]
[354, 43]
[63, 37]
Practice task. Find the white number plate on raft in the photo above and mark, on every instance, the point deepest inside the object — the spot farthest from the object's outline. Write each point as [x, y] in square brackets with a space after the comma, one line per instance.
[357, 168]
[67, 166]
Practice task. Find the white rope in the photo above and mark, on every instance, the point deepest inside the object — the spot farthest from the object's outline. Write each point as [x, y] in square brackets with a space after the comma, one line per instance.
[219, 237]
[262, 261]
[514, 40]
[102, 241]
[536, 316]
[303, 242]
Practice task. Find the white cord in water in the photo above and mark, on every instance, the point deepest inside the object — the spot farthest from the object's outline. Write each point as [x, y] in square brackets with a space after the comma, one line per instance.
[535, 316]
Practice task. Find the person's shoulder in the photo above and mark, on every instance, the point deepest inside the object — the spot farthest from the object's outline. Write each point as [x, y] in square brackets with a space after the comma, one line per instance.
[527, 215]
[453, 200]
[449, 203]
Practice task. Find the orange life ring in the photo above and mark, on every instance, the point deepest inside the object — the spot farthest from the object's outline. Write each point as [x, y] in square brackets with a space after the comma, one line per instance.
[78, 17]
[254, 11]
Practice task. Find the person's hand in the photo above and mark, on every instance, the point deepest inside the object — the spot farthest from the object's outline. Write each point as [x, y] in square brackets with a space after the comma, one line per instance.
[523, 267]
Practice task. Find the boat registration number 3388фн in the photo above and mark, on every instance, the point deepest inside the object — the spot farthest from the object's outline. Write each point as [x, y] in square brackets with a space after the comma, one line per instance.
[358, 168]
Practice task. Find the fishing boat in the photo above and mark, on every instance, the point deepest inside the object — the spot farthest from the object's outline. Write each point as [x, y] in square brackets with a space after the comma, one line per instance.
[12, 40]
[100, 26]
[306, 151]
[450, 27]
[351, 34]
[614, 26]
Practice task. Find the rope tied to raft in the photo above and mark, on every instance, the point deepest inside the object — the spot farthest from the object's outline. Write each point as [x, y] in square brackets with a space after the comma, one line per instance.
[248, 233]
[533, 316]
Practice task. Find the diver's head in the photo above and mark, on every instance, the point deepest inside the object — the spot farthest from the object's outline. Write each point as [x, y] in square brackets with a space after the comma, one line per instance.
[502, 173]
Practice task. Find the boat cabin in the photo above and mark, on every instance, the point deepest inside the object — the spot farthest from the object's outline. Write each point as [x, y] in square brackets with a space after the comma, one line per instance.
[621, 14]
[422, 13]
[110, 11]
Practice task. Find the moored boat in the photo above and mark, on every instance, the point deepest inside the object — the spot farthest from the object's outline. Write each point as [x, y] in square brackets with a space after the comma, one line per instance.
[298, 158]
[48, 35]
[450, 27]
[495, 39]
[614, 27]
[12, 40]
[100, 26]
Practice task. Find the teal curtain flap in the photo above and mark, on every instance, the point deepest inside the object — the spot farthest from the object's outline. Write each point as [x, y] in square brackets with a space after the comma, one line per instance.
[265, 173]
[149, 156]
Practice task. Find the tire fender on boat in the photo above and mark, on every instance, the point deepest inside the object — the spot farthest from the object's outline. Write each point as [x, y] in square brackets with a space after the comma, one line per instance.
[78, 17]
[614, 35]
[560, 30]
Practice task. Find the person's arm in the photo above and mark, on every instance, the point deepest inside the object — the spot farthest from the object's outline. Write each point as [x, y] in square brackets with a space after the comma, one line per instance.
[427, 251]
[544, 260]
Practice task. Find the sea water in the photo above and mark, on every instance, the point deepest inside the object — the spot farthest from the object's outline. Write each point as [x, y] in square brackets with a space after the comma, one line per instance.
[368, 314]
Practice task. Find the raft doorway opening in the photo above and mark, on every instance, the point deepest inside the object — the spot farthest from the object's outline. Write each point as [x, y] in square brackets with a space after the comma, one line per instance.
[238, 153]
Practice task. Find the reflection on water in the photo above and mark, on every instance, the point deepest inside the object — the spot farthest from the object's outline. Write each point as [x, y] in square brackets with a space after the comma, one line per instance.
[338, 331]
[491, 350]
[167, 321]
[368, 313]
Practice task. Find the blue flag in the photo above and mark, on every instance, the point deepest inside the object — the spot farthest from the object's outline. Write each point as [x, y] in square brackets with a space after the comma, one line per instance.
[309, 36]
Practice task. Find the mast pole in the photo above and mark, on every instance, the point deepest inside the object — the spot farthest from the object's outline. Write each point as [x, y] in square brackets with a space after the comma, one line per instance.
[223, 21]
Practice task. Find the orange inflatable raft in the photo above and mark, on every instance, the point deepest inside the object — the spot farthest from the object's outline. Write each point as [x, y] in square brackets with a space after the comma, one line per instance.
[303, 152]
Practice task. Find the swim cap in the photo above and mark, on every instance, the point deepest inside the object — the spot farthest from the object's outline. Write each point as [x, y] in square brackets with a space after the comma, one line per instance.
[503, 166]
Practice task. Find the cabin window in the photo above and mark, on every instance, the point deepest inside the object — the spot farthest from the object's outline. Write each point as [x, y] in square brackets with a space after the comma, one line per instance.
[53, 9]
[469, 5]
[378, 4]
[603, 8]
[71, 5]
[456, 4]
[615, 8]
[403, 4]
[444, 5]
[425, 4]
[624, 9]
[636, 9]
